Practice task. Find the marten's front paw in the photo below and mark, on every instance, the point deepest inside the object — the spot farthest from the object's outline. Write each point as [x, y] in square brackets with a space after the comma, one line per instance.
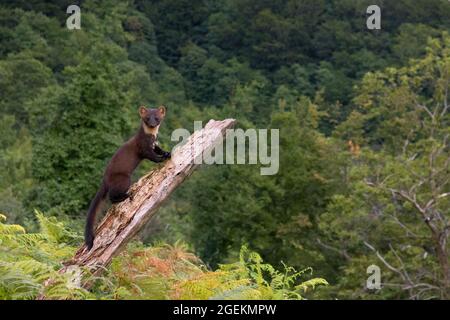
[167, 155]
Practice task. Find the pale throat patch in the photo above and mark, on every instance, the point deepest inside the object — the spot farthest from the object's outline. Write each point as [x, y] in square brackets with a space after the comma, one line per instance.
[153, 131]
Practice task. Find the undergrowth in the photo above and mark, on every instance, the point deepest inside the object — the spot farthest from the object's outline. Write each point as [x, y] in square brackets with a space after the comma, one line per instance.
[29, 260]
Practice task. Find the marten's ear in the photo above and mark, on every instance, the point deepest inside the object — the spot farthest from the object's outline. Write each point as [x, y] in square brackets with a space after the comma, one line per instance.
[142, 111]
[162, 110]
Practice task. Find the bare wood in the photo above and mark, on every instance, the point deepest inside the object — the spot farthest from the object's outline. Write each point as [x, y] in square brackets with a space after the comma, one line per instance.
[124, 220]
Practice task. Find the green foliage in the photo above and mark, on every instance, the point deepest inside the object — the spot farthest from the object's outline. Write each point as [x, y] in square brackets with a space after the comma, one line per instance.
[29, 264]
[179, 278]
[93, 114]
[28, 260]
[393, 104]
[395, 208]
[363, 126]
[280, 220]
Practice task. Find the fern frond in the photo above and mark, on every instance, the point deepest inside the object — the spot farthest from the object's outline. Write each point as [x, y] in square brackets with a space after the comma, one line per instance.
[11, 229]
[312, 283]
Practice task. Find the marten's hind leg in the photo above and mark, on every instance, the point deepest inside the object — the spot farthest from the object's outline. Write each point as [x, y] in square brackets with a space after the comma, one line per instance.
[118, 188]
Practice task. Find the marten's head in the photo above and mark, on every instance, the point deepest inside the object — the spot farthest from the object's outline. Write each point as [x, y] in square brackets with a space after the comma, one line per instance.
[152, 118]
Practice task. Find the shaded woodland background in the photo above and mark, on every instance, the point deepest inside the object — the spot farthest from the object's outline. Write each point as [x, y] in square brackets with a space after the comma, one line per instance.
[364, 132]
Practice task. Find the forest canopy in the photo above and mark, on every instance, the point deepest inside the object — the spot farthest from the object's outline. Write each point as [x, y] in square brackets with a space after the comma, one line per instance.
[364, 173]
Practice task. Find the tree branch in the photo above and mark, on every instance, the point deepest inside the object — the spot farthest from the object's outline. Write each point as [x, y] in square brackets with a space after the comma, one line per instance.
[124, 220]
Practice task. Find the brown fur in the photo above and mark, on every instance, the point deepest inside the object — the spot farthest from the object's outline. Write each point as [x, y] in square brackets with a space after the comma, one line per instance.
[117, 177]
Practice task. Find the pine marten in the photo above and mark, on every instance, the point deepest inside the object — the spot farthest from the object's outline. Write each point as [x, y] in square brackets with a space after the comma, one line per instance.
[117, 177]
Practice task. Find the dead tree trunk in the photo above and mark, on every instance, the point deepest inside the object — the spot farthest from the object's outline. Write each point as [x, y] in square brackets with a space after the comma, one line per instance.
[124, 220]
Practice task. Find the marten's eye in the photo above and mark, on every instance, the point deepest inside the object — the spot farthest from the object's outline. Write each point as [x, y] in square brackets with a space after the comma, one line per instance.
[157, 119]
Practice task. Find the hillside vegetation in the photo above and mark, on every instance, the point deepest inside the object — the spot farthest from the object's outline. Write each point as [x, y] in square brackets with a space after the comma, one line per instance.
[364, 173]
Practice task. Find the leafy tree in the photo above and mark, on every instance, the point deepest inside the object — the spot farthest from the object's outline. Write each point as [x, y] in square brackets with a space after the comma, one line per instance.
[93, 115]
[21, 79]
[15, 160]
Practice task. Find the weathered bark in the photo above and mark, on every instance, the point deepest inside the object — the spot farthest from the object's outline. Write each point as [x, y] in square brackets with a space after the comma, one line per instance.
[123, 221]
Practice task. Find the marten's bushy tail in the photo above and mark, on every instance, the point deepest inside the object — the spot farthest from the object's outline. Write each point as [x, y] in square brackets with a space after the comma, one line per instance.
[92, 212]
